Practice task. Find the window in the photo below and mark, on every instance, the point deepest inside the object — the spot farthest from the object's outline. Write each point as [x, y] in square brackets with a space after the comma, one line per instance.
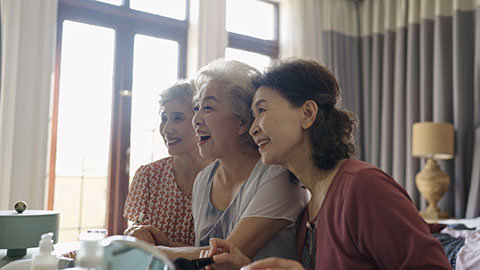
[83, 133]
[113, 2]
[253, 59]
[252, 27]
[252, 18]
[167, 8]
[152, 56]
[113, 59]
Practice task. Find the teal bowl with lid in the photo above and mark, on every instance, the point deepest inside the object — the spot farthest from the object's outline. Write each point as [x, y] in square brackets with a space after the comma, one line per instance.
[19, 231]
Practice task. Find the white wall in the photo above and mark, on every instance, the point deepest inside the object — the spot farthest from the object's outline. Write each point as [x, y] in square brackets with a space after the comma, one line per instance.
[28, 47]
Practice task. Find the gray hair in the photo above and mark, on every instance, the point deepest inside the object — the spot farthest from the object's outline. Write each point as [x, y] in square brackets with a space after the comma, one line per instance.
[181, 89]
[235, 80]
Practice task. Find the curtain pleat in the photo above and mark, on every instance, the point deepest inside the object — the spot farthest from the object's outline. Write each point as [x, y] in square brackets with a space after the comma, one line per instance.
[476, 72]
[365, 58]
[412, 165]
[399, 107]
[426, 70]
[463, 97]
[473, 205]
[443, 92]
[426, 85]
[386, 124]
[376, 98]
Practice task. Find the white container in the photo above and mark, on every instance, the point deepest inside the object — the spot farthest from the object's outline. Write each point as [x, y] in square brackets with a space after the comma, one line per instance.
[45, 259]
[90, 255]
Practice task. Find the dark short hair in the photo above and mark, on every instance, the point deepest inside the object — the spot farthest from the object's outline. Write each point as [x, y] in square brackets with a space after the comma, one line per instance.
[298, 80]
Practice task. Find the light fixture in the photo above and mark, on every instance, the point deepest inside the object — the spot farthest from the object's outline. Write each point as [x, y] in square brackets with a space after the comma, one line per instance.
[432, 141]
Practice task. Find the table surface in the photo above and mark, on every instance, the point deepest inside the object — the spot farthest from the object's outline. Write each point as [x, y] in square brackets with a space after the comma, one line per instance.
[58, 249]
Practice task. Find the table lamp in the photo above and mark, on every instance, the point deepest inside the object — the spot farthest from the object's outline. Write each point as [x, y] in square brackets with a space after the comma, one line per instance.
[432, 141]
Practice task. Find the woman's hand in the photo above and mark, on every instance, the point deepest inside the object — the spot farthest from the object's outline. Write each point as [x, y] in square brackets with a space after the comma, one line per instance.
[225, 255]
[71, 254]
[149, 234]
[274, 264]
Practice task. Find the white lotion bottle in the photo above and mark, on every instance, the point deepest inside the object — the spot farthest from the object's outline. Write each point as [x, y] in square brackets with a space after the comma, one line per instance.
[45, 259]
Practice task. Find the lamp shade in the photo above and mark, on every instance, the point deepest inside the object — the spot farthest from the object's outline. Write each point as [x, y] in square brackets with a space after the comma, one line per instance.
[431, 139]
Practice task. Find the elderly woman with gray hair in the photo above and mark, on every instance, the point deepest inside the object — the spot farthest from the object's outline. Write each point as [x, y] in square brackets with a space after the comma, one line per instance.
[237, 197]
[166, 184]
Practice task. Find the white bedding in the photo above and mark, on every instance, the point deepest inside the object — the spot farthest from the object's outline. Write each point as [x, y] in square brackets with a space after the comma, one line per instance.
[469, 222]
[468, 257]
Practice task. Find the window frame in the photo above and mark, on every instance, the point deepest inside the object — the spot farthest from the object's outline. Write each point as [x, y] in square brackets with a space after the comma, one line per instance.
[258, 45]
[127, 23]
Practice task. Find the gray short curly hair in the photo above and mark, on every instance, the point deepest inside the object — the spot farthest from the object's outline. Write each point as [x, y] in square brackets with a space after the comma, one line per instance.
[181, 89]
[235, 80]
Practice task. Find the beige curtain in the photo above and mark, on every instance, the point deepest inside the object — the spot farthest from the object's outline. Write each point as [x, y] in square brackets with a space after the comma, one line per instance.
[28, 51]
[207, 36]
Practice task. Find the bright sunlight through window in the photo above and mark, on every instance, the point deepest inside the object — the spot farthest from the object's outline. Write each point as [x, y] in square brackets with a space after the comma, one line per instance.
[83, 136]
[155, 66]
[252, 18]
[256, 60]
[175, 9]
[113, 2]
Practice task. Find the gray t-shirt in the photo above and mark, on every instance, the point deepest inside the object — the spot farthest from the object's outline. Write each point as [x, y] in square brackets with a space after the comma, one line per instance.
[268, 193]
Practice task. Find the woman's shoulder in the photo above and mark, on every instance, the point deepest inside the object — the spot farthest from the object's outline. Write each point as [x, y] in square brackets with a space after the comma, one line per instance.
[361, 170]
[205, 174]
[157, 166]
[355, 166]
[164, 162]
[265, 173]
[364, 178]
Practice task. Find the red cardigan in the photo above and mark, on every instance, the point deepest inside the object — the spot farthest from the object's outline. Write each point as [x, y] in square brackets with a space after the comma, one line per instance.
[367, 221]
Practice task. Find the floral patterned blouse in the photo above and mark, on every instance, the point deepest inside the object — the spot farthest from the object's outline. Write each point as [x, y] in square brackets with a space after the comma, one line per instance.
[155, 191]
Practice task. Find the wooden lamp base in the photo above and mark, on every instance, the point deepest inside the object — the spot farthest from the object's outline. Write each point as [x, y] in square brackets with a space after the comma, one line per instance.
[432, 183]
[434, 215]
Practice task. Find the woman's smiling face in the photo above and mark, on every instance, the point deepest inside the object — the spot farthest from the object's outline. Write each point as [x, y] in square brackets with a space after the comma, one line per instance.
[176, 128]
[216, 126]
[277, 128]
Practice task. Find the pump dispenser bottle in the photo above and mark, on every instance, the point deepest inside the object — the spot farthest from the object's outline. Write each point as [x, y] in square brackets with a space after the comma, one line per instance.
[45, 259]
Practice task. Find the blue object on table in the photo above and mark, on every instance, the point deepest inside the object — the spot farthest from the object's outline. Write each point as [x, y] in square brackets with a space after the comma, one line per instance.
[125, 252]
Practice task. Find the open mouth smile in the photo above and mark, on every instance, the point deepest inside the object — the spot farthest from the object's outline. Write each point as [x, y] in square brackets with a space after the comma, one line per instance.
[203, 139]
[262, 143]
[173, 141]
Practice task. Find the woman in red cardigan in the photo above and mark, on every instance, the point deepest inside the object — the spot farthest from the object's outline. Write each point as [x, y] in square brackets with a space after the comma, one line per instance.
[358, 216]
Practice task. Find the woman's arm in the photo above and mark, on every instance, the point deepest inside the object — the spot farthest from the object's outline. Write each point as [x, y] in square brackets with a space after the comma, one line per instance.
[275, 206]
[230, 257]
[249, 235]
[182, 252]
[252, 233]
[149, 234]
[274, 263]
[227, 255]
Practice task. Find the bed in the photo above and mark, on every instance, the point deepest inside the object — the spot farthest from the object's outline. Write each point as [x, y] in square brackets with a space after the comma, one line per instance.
[460, 239]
